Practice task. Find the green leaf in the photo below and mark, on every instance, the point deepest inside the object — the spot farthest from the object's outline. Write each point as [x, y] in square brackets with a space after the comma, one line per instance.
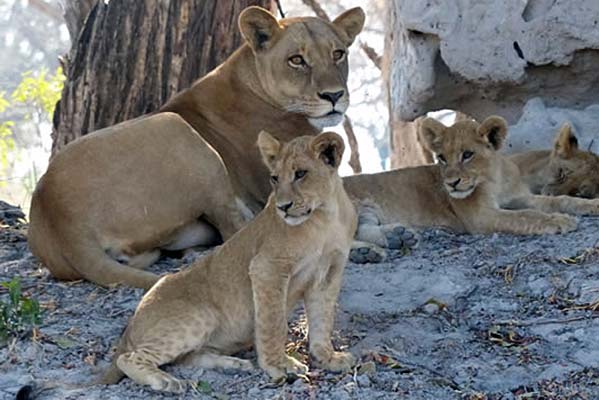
[204, 387]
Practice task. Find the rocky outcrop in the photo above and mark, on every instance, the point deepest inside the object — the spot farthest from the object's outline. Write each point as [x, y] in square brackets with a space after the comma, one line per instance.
[486, 56]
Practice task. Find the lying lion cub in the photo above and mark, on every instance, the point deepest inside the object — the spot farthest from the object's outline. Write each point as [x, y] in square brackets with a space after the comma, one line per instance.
[473, 189]
[565, 170]
[296, 248]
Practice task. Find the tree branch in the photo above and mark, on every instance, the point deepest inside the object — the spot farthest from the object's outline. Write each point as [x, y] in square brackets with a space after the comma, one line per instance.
[354, 159]
[75, 13]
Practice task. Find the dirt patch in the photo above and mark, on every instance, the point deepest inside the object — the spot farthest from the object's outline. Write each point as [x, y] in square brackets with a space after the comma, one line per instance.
[462, 317]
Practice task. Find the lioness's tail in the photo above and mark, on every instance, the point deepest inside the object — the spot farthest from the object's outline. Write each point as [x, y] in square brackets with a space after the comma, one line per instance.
[71, 253]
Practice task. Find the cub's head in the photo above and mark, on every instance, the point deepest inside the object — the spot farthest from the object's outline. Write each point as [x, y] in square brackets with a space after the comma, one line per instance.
[303, 173]
[302, 62]
[464, 150]
[574, 172]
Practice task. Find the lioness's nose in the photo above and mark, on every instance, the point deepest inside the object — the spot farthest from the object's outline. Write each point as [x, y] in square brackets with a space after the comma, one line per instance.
[333, 97]
[454, 183]
[285, 207]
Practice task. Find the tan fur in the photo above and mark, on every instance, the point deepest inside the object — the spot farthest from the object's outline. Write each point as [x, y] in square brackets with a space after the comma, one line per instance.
[247, 287]
[110, 200]
[565, 170]
[482, 194]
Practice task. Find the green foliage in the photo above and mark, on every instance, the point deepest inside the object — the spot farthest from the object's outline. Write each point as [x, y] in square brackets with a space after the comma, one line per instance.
[7, 144]
[18, 314]
[41, 90]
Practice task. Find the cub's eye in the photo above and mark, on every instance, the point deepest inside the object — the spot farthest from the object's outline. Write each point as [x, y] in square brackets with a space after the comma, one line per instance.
[297, 61]
[274, 179]
[467, 155]
[441, 159]
[338, 55]
[299, 174]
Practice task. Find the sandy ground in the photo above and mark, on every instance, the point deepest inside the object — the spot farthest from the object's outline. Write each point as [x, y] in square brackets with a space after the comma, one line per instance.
[461, 317]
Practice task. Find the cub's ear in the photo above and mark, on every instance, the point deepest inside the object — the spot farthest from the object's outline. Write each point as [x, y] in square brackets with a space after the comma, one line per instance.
[269, 148]
[565, 142]
[350, 24]
[431, 134]
[494, 129]
[258, 27]
[329, 147]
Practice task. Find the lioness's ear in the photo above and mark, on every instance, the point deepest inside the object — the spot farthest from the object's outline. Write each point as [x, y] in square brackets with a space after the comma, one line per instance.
[494, 129]
[431, 134]
[565, 142]
[258, 27]
[329, 147]
[350, 23]
[269, 148]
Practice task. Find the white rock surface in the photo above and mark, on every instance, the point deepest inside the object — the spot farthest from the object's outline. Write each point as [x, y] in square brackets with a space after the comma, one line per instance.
[488, 56]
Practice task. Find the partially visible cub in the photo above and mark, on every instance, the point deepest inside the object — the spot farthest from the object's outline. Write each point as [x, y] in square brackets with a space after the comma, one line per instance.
[241, 294]
[564, 170]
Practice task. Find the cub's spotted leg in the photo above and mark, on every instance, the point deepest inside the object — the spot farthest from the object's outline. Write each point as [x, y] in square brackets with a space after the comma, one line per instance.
[552, 204]
[269, 288]
[164, 343]
[203, 359]
[522, 222]
[320, 301]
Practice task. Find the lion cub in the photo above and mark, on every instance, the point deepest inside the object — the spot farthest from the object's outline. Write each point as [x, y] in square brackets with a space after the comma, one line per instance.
[473, 189]
[565, 170]
[242, 293]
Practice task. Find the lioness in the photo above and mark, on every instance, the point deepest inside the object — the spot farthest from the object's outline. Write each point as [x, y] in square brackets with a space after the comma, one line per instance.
[296, 248]
[112, 199]
[565, 170]
[473, 189]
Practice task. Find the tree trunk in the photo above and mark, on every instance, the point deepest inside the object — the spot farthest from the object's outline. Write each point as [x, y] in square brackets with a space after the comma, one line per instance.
[130, 57]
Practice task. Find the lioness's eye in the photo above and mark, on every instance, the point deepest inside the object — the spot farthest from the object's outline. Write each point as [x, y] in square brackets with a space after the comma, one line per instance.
[467, 155]
[338, 55]
[274, 179]
[300, 173]
[297, 61]
[441, 159]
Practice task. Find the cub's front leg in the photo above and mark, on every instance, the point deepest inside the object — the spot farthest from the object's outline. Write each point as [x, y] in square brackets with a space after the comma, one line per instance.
[320, 300]
[565, 204]
[270, 284]
[521, 222]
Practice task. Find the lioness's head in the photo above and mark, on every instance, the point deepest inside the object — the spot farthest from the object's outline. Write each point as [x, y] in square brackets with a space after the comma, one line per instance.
[464, 151]
[574, 172]
[302, 62]
[303, 172]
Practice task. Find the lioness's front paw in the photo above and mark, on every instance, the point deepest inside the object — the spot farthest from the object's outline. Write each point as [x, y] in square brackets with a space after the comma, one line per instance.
[561, 223]
[336, 361]
[291, 367]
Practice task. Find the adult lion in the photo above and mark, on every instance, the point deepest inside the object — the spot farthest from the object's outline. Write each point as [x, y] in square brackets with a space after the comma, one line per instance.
[473, 189]
[564, 170]
[112, 199]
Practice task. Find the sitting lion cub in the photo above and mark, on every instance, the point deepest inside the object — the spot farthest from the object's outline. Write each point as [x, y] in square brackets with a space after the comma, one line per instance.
[473, 189]
[296, 248]
[565, 170]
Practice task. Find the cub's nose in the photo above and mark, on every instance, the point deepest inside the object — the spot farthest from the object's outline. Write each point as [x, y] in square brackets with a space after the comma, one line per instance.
[284, 207]
[454, 183]
[333, 97]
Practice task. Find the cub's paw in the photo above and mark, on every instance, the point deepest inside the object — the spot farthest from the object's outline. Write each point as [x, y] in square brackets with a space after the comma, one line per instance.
[336, 361]
[561, 223]
[167, 383]
[290, 369]
[399, 237]
[366, 253]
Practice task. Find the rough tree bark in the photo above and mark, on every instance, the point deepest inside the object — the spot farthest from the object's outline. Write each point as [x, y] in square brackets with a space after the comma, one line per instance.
[129, 57]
